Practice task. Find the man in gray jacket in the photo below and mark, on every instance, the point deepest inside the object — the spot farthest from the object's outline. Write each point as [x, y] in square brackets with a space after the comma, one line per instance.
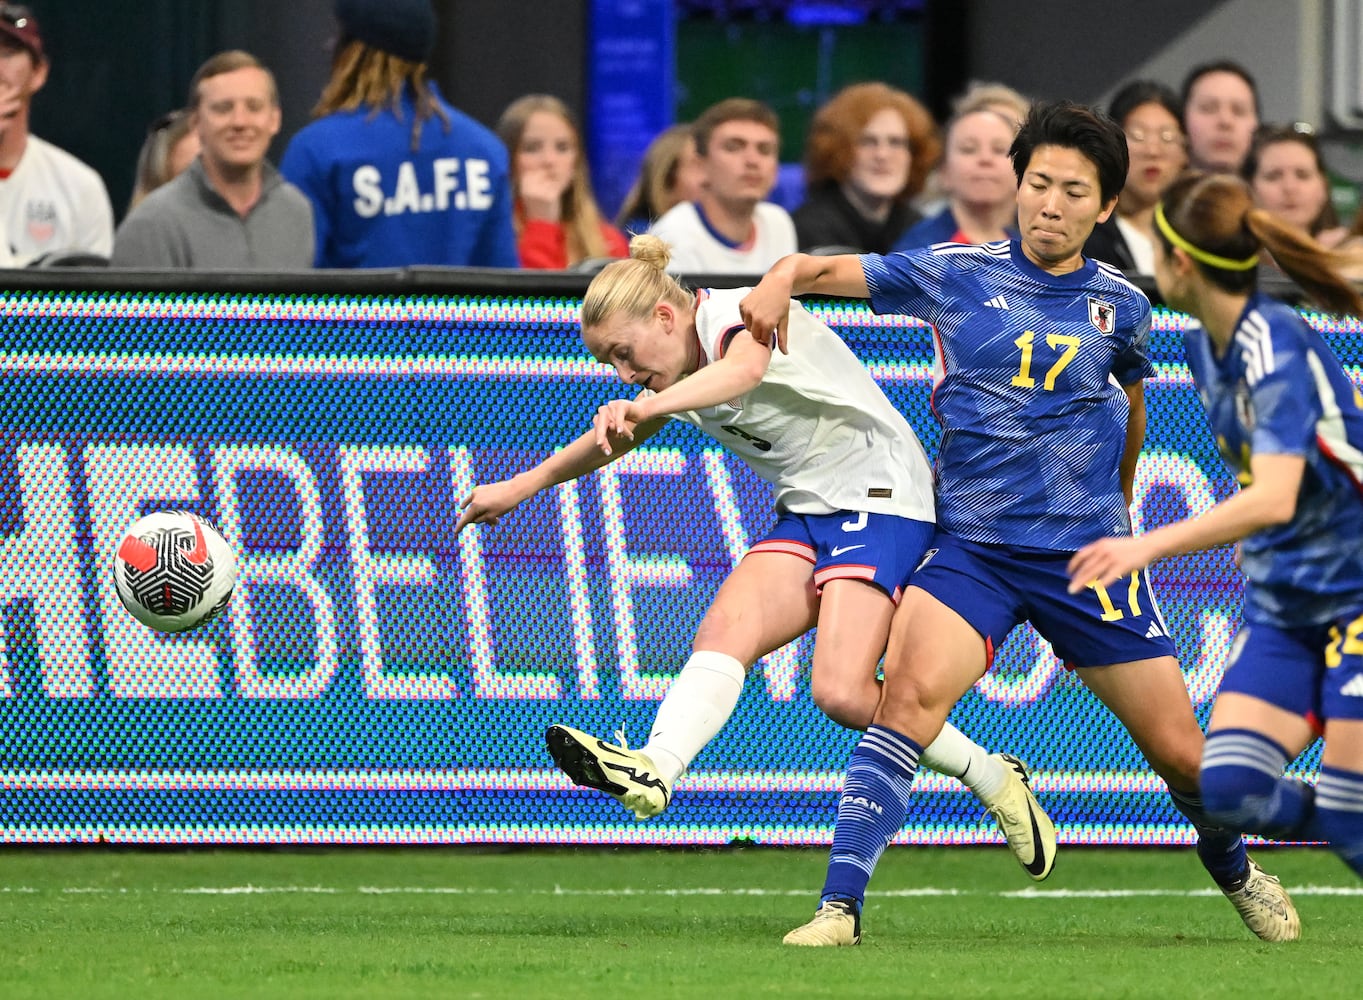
[230, 210]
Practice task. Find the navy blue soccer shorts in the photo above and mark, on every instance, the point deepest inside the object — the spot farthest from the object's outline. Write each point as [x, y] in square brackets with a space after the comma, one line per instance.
[1315, 671]
[996, 587]
[881, 549]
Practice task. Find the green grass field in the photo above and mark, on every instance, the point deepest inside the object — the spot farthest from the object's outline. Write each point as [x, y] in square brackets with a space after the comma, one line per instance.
[636, 923]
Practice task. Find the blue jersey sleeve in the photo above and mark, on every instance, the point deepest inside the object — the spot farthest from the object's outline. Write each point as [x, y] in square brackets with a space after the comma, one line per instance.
[1284, 405]
[907, 284]
[1132, 364]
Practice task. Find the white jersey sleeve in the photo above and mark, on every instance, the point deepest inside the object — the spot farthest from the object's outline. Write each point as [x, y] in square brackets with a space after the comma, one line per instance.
[817, 427]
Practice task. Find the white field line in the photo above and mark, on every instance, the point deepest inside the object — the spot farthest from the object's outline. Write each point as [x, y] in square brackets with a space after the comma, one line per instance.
[375, 890]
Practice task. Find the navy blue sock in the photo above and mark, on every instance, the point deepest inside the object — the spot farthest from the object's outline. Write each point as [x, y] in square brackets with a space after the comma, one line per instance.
[1243, 787]
[1339, 814]
[875, 798]
[1221, 851]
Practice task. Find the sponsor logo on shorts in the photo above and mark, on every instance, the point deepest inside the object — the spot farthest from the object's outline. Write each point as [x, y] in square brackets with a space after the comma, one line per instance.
[839, 550]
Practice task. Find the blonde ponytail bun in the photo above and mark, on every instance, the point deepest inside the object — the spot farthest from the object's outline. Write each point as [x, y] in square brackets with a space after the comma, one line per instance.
[650, 250]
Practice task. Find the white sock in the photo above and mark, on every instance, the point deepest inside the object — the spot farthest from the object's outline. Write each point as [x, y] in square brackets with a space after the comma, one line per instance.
[956, 755]
[699, 702]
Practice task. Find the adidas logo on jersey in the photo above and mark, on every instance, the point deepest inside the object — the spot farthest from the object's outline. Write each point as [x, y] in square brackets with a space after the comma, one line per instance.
[1154, 631]
[997, 302]
[1354, 688]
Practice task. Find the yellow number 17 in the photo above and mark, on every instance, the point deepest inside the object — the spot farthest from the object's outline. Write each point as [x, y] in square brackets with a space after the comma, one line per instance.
[1068, 342]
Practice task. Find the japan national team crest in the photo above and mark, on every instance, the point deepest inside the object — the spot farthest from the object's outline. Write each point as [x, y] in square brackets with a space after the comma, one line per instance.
[1103, 315]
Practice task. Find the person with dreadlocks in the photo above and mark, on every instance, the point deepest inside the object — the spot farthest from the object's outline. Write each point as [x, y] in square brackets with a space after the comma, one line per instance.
[396, 175]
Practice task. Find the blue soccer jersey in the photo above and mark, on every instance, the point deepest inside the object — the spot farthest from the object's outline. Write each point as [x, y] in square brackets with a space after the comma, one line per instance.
[1029, 388]
[1280, 390]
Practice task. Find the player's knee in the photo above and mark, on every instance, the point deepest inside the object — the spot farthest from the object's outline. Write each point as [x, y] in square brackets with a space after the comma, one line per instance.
[906, 701]
[847, 705]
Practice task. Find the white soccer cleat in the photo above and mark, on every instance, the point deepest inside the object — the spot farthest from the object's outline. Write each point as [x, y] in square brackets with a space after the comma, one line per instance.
[836, 924]
[1265, 906]
[1029, 831]
[626, 775]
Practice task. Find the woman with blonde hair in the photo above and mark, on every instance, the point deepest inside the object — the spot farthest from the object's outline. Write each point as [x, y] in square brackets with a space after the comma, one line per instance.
[558, 224]
[869, 152]
[1289, 424]
[848, 532]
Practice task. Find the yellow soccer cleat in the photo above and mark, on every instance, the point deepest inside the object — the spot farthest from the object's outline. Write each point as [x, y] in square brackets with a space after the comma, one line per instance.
[836, 923]
[1029, 831]
[626, 775]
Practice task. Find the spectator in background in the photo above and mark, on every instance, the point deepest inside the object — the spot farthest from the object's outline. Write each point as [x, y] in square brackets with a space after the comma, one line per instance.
[731, 228]
[1220, 102]
[171, 146]
[1286, 173]
[558, 224]
[870, 149]
[1148, 113]
[671, 172]
[397, 176]
[229, 209]
[978, 96]
[977, 176]
[982, 95]
[50, 202]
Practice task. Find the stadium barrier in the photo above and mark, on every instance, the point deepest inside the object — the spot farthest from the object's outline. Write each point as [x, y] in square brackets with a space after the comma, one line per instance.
[376, 681]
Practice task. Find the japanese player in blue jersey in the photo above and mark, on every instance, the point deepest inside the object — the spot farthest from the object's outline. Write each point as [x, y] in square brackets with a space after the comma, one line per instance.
[1290, 425]
[1040, 357]
[854, 515]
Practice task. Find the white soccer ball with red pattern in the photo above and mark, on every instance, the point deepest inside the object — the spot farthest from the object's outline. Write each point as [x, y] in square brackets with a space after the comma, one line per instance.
[174, 571]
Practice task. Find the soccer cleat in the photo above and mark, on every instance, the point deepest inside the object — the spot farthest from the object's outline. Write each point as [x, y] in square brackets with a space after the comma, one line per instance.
[1029, 831]
[836, 923]
[625, 774]
[1265, 906]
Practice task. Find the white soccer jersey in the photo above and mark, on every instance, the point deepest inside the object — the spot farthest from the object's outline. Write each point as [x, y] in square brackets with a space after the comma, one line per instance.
[53, 203]
[817, 427]
[698, 249]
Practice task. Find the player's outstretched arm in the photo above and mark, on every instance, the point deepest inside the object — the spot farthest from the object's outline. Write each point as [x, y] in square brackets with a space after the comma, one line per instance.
[766, 308]
[1271, 499]
[737, 373]
[488, 503]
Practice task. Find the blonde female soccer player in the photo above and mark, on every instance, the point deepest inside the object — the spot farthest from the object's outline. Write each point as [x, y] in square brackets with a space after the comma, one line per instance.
[855, 513]
[1290, 424]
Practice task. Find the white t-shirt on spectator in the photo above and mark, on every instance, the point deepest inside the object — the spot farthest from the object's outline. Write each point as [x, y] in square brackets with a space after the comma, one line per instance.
[696, 248]
[53, 203]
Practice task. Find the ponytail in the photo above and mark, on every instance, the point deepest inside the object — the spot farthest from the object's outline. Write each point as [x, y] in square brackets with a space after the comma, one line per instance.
[1315, 268]
[1212, 218]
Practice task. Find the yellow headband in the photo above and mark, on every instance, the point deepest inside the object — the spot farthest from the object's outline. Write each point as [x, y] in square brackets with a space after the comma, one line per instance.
[1197, 253]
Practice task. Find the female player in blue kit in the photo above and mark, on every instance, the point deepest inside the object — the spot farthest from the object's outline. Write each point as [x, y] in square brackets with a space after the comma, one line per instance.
[855, 513]
[1290, 425]
[1041, 355]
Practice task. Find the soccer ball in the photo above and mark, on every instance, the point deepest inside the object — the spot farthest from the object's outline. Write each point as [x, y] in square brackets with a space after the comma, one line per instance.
[174, 571]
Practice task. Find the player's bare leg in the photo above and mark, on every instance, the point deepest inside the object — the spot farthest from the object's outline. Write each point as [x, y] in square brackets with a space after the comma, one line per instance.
[767, 601]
